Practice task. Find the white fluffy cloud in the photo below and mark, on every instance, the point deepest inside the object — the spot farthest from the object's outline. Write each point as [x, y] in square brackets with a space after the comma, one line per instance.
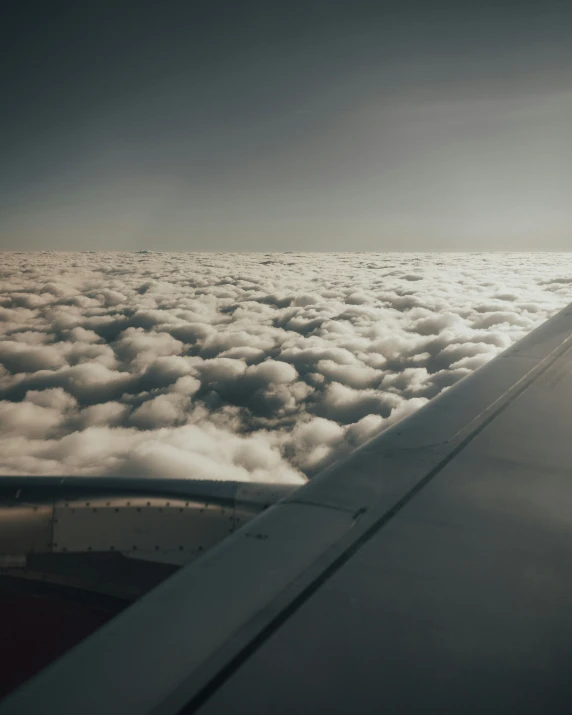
[243, 366]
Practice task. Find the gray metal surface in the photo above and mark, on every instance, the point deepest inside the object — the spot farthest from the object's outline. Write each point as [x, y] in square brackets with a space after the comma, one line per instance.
[25, 528]
[56, 515]
[428, 572]
[34, 489]
[59, 532]
[141, 525]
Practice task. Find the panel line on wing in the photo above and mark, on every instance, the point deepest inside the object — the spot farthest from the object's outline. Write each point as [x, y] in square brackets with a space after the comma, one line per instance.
[518, 387]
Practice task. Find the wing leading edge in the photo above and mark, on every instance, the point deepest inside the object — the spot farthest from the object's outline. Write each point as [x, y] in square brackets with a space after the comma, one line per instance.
[429, 570]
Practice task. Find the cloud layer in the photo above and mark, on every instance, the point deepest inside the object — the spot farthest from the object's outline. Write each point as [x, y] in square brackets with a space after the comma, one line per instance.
[243, 366]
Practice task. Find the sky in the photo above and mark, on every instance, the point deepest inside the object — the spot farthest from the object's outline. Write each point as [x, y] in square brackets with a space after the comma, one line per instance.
[313, 125]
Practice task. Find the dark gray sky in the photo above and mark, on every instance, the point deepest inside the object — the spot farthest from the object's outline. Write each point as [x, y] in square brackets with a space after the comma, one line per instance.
[300, 124]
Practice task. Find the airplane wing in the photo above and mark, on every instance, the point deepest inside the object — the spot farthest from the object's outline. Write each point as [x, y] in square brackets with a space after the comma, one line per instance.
[76, 551]
[429, 571]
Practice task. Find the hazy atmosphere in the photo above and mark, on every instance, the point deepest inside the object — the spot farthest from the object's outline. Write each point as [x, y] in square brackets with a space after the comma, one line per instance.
[243, 366]
[254, 130]
[274, 126]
